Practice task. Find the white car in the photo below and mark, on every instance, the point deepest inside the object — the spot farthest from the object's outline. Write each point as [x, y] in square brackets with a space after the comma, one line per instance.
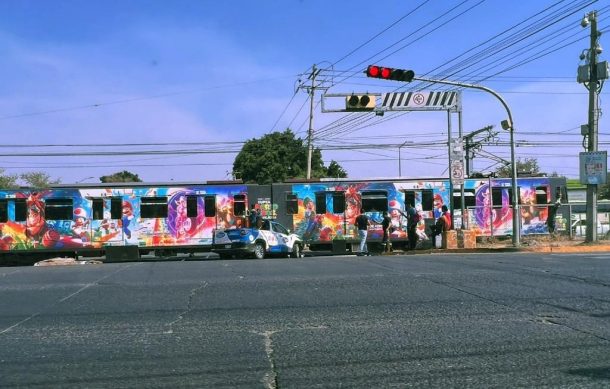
[271, 238]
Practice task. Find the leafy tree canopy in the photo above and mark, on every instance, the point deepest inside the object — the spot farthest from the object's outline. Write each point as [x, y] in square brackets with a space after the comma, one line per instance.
[123, 176]
[527, 166]
[33, 179]
[279, 156]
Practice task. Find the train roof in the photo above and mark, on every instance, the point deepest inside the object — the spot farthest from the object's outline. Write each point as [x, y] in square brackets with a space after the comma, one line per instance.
[240, 182]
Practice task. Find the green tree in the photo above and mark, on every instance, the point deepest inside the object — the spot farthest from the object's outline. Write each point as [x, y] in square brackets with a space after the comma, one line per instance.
[335, 170]
[123, 176]
[528, 165]
[32, 179]
[8, 181]
[39, 179]
[276, 157]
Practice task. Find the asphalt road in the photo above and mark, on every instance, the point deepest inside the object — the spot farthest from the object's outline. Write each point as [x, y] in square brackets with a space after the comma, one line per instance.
[476, 320]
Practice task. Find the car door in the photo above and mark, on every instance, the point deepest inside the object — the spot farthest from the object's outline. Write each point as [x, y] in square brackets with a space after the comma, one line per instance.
[282, 239]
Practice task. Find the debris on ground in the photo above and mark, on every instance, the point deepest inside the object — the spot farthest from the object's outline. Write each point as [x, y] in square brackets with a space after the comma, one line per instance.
[66, 262]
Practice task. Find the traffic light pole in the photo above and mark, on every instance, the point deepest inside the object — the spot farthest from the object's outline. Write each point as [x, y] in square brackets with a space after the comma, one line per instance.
[515, 188]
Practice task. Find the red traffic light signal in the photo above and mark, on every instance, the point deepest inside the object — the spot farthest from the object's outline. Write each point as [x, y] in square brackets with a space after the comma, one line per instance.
[390, 73]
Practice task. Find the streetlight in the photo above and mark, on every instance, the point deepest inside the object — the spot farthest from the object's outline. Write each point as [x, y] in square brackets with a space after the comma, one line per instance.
[506, 125]
[399, 158]
[84, 179]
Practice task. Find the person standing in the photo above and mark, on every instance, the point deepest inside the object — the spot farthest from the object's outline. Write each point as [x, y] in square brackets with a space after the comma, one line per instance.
[550, 220]
[386, 224]
[253, 216]
[448, 219]
[362, 223]
[439, 227]
[413, 219]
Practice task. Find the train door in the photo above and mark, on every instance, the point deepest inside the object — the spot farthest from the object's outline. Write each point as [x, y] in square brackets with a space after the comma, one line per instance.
[240, 207]
[106, 219]
[424, 202]
[331, 206]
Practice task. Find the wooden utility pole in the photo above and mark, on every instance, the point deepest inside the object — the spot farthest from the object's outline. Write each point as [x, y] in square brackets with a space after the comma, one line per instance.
[310, 131]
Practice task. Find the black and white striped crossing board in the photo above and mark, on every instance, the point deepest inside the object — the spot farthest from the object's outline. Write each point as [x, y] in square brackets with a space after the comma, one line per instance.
[421, 101]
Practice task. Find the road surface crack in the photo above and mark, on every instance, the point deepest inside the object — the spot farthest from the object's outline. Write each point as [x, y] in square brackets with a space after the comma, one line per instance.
[270, 379]
[189, 307]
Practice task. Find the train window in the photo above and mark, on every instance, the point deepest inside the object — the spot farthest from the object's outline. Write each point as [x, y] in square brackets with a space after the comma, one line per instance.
[191, 206]
[58, 209]
[21, 210]
[427, 200]
[469, 199]
[541, 196]
[97, 206]
[3, 211]
[338, 202]
[320, 203]
[239, 205]
[116, 208]
[209, 203]
[292, 204]
[496, 196]
[410, 198]
[510, 195]
[153, 207]
[375, 201]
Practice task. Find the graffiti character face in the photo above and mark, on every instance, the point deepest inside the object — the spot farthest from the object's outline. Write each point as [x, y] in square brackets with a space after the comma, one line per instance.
[35, 219]
[127, 209]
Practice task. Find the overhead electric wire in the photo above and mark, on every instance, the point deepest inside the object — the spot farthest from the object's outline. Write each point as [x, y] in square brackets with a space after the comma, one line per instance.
[381, 32]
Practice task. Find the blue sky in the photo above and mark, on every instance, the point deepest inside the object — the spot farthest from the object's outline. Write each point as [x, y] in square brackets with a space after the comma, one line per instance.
[191, 75]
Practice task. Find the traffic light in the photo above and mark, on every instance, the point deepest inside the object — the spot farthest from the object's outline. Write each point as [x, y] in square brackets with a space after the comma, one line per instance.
[360, 103]
[390, 73]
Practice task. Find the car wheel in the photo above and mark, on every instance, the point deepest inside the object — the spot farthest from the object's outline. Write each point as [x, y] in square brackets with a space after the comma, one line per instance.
[296, 251]
[259, 251]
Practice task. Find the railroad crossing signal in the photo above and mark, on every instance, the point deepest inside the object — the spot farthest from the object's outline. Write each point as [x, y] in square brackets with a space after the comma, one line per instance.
[360, 103]
[390, 73]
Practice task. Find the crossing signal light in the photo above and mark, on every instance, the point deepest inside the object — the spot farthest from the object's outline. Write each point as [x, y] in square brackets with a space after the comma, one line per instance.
[360, 102]
[390, 73]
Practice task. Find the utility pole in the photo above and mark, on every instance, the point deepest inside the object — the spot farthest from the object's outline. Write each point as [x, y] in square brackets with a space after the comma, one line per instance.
[589, 75]
[592, 146]
[310, 131]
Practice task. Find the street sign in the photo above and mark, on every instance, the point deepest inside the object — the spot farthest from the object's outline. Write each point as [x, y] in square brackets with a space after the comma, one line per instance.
[457, 172]
[421, 101]
[456, 149]
[593, 167]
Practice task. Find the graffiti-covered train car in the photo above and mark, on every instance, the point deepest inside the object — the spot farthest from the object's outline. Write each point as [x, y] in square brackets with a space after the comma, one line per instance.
[182, 216]
[89, 218]
[322, 211]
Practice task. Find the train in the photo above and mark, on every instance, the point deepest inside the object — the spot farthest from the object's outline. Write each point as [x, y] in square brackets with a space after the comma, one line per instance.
[90, 219]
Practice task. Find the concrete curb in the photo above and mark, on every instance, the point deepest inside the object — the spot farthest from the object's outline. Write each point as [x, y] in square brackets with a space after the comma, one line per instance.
[578, 248]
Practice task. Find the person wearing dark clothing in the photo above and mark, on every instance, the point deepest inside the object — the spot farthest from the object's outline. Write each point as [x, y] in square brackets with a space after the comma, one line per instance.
[386, 224]
[412, 221]
[550, 220]
[362, 223]
[253, 217]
